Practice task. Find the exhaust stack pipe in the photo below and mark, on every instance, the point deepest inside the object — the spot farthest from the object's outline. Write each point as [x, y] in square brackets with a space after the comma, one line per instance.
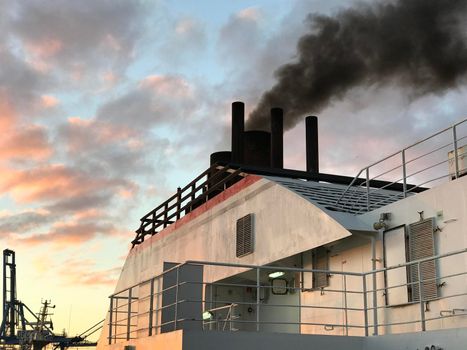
[238, 127]
[277, 138]
[312, 152]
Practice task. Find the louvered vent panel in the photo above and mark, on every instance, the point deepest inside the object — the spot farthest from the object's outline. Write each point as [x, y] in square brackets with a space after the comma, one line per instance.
[245, 235]
[421, 245]
[320, 262]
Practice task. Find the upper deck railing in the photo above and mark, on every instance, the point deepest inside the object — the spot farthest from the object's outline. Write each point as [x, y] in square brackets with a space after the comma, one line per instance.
[352, 304]
[423, 164]
[205, 186]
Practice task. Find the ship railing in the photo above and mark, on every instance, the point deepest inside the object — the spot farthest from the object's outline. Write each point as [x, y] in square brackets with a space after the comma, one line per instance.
[205, 186]
[220, 318]
[428, 162]
[228, 297]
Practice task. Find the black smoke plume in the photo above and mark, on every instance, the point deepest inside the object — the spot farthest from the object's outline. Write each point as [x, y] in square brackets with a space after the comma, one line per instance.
[418, 44]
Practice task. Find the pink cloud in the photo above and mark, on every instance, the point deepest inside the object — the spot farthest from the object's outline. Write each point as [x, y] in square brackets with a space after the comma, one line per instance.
[26, 143]
[41, 51]
[53, 182]
[112, 42]
[85, 272]
[184, 26]
[8, 113]
[69, 233]
[83, 133]
[88, 214]
[44, 48]
[20, 141]
[49, 101]
[164, 85]
[109, 79]
[249, 13]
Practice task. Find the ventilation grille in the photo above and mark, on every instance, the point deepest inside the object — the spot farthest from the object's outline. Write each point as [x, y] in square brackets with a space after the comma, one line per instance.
[245, 232]
[320, 262]
[421, 245]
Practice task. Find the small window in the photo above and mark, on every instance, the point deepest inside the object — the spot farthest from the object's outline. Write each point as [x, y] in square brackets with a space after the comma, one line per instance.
[245, 235]
[320, 261]
[421, 245]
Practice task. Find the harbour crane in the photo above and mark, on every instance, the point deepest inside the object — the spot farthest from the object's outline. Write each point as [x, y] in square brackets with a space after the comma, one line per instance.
[22, 328]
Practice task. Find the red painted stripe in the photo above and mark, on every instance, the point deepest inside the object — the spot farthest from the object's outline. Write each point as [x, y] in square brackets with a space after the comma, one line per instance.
[221, 197]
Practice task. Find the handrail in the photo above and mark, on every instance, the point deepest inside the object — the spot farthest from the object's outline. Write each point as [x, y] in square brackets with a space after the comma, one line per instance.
[404, 163]
[354, 310]
[186, 198]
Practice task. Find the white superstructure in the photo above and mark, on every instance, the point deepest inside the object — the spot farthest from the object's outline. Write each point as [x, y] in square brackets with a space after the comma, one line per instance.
[235, 258]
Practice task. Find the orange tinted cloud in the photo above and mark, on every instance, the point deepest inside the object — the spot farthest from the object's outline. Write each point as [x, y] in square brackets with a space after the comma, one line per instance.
[69, 233]
[88, 214]
[7, 112]
[45, 48]
[40, 52]
[27, 143]
[164, 85]
[53, 182]
[112, 42]
[81, 134]
[85, 272]
[49, 101]
[109, 78]
[250, 13]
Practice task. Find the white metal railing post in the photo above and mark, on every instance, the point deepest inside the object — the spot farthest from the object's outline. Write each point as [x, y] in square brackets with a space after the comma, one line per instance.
[258, 291]
[110, 318]
[404, 174]
[420, 294]
[158, 300]
[365, 306]
[375, 305]
[368, 189]
[151, 306]
[456, 155]
[116, 319]
[128, 325]
[345, 307]
[231, 313]
[176, 298]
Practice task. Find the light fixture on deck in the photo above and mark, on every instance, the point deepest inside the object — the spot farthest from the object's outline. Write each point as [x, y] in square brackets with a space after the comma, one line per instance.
[207, 315]
[276, 274]
[382, 223]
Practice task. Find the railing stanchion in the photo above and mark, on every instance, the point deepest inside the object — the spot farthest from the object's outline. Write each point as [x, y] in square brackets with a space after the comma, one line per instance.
[258, 291]
[375, 305]
[420, 294]
[111, 318]
[151, 306]
[128, 325]
[404, 174]
[456, 155]
[345, 307]
[365, 306]
[179, 200]
[176, 298]
[157, 327]
[368, 189]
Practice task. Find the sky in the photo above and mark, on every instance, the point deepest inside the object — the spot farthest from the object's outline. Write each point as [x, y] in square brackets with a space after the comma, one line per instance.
[106, 107]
